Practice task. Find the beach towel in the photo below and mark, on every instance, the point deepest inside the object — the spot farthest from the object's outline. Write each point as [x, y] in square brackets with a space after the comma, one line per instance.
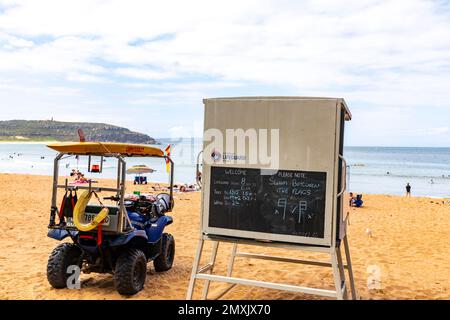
[81, 182]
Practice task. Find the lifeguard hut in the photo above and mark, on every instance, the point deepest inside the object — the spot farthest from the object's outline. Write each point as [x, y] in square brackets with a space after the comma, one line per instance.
[295, 200]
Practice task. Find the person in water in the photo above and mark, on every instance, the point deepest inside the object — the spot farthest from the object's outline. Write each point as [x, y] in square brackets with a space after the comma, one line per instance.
[408, 190]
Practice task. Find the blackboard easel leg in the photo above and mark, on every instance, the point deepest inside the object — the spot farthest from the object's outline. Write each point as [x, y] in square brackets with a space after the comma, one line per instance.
[212, 262]
[206, 272]
[232, 259]
[342, 272]
[350, 269]
[336, 274]
[197, 258]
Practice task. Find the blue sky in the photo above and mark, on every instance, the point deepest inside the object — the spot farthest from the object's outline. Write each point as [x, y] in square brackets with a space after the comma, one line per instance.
[147, 65]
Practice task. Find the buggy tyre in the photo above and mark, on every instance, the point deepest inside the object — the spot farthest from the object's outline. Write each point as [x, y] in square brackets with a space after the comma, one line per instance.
[60, 259]
[165, 259]
[130, 272]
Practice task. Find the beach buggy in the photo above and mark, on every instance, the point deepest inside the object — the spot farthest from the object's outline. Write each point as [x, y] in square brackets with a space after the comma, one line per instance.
[118, 238]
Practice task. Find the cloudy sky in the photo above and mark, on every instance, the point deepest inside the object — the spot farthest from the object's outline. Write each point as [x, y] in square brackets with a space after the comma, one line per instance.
[147, 65]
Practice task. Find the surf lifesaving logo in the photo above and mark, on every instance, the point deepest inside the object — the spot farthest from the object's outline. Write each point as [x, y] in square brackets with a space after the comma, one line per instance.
[216, 156]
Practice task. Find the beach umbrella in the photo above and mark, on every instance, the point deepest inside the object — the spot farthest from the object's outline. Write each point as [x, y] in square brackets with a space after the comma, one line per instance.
[140, 169]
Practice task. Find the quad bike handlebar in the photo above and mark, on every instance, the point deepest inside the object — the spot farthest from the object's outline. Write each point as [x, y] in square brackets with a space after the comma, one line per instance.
[112, 198]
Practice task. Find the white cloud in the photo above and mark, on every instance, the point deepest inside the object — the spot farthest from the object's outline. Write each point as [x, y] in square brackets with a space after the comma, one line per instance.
[9, 42]
[308, 45]
[427, 131]
[39, 90]
[381, 53]
[88, 78]
[178, 131]
[182, 97]
[61, 56]
[143, 73]
[191, 85]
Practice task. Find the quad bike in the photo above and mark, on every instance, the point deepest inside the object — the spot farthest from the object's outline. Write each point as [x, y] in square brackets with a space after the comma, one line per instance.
[120, 238]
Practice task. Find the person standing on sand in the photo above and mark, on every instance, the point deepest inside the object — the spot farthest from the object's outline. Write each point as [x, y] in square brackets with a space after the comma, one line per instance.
[408, 190]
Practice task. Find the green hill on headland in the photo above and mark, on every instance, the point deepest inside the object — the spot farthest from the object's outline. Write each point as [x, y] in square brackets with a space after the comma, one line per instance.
[49, 130]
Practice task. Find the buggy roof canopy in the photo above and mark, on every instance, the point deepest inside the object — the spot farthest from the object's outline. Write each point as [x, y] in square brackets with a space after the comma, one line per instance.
[106, 148]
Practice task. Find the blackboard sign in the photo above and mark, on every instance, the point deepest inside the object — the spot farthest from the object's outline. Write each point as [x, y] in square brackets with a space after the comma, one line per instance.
[287, 202]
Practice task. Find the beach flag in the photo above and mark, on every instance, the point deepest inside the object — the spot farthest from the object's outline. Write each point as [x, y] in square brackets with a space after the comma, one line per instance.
[167, 151]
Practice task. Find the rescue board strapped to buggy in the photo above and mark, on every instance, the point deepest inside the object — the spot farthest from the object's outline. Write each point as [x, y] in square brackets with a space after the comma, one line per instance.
[119, 239]
[101, 149]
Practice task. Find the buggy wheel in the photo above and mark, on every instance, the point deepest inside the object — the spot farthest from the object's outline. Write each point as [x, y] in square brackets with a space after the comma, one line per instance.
[130, 272]
[165, 259]
[63, 256]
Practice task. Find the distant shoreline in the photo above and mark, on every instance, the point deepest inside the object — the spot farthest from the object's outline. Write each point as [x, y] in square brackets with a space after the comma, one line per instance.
[52, 141]
[160, 140]
[28, 141]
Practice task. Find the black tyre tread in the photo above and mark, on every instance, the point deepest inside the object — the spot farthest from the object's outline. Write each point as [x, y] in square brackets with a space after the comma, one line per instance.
[123, 275]
[162, 263]
[60, 258]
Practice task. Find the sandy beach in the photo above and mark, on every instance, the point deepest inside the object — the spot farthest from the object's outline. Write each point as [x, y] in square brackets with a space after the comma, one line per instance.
[409, 244]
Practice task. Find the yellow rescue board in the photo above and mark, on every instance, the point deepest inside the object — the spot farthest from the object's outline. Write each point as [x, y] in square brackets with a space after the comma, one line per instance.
[104, 148]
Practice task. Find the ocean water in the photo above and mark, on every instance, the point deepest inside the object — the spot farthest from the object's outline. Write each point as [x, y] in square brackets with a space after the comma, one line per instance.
[386, 170]
[379, 170]
[37, 158]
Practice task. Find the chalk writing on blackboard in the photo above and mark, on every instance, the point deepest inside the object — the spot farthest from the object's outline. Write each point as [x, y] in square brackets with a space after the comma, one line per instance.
[287, 202]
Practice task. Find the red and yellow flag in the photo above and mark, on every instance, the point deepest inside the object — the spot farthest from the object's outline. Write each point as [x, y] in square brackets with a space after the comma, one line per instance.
[167, 151]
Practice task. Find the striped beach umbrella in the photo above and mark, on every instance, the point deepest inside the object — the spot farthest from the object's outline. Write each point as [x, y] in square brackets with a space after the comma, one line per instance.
[140, 169]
